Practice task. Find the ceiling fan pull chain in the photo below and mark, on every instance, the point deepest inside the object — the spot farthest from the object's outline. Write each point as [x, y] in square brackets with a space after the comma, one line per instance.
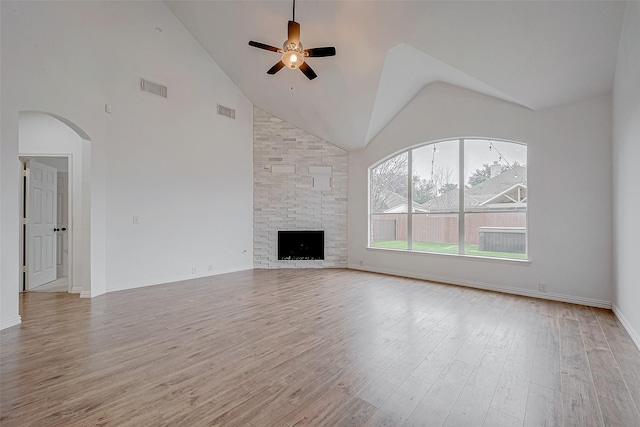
[294, 10]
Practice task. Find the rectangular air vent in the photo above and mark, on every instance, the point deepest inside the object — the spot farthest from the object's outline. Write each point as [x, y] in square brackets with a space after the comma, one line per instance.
[154, 88]
[224, 111]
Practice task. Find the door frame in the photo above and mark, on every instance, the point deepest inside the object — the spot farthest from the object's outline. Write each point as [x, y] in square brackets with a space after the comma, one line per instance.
[24, 200]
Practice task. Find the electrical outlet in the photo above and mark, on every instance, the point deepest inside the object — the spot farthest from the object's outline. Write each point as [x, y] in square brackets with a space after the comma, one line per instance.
[136, 219]
[542, 287]
[360, 262]
[193, 270]
[210, 267]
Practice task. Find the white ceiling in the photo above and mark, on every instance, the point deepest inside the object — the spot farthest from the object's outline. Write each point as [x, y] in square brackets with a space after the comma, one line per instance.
[537, 54]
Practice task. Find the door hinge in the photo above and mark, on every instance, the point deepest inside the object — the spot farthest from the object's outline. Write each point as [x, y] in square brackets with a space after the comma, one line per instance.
[25, 269]
[24, 172]
[24, 221]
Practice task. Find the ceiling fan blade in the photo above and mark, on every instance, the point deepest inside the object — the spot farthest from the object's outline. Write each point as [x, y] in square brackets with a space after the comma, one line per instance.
[264, 46]
[320, 51]
[308, 71]
[276, 68]
[293, 32]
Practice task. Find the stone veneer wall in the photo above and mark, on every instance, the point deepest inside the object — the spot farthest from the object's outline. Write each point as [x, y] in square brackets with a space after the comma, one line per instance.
[288, 201]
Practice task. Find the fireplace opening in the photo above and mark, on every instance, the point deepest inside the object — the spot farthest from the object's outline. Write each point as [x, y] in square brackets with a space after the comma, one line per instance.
[305, 245]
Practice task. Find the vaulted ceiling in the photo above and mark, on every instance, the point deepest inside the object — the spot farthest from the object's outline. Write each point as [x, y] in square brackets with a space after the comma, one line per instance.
[536, 54]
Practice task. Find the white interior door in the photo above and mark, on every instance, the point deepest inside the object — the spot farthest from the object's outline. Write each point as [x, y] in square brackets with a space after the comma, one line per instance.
[62, 237]
[41, 224]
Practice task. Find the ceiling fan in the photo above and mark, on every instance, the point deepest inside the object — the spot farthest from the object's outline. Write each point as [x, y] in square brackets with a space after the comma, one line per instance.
[293, 54]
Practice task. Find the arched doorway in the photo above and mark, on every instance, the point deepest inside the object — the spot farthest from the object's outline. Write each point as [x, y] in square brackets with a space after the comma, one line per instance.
[46, 138]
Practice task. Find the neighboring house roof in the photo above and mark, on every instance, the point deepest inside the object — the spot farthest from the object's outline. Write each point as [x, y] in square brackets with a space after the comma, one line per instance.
[506, 190]
[402, 208]
[393, 200]
[516, 195]
[398, 204]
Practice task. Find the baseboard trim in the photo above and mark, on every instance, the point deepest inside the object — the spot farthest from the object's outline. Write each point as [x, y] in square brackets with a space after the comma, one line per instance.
[85, 294]
[142, 284]
[487, 287]
[76, 290]
[627, 325]
[11, 322]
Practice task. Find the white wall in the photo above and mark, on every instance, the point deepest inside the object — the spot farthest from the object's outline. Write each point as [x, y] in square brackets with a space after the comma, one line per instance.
[626, 154]
[569, 188]
[186, 172]
[41, 134]
[10, 176]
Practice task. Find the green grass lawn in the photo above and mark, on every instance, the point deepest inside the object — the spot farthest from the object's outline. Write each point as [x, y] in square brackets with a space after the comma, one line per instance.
[445, 248]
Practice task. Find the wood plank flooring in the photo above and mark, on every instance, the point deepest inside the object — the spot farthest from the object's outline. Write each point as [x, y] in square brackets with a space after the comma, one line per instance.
[315, 347]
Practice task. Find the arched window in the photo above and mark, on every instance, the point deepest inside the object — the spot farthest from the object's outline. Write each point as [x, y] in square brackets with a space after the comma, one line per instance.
[468, 196]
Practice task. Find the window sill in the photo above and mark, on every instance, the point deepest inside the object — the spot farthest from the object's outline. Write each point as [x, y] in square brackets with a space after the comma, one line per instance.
[461, 256]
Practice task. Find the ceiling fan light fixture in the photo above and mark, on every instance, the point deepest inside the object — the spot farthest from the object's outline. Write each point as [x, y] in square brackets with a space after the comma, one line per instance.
[293, 57]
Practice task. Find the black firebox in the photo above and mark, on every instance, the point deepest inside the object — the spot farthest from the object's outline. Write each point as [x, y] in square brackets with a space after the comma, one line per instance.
[306, 245]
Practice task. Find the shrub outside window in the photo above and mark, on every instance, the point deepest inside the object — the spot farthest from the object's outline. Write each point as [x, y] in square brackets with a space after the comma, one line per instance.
[485, 216]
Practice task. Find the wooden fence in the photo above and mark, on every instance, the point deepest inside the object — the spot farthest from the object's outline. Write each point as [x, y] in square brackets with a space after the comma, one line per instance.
[441, 228]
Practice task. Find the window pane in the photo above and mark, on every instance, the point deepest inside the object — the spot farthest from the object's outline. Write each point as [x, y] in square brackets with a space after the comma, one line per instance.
[495, 201]
[389, 198]
[435, 197]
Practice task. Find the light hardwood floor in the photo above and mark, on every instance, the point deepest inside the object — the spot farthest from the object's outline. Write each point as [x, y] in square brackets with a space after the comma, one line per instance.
[315, 347]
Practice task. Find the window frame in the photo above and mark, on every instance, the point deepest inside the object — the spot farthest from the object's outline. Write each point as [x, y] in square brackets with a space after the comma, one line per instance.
[461, 206]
